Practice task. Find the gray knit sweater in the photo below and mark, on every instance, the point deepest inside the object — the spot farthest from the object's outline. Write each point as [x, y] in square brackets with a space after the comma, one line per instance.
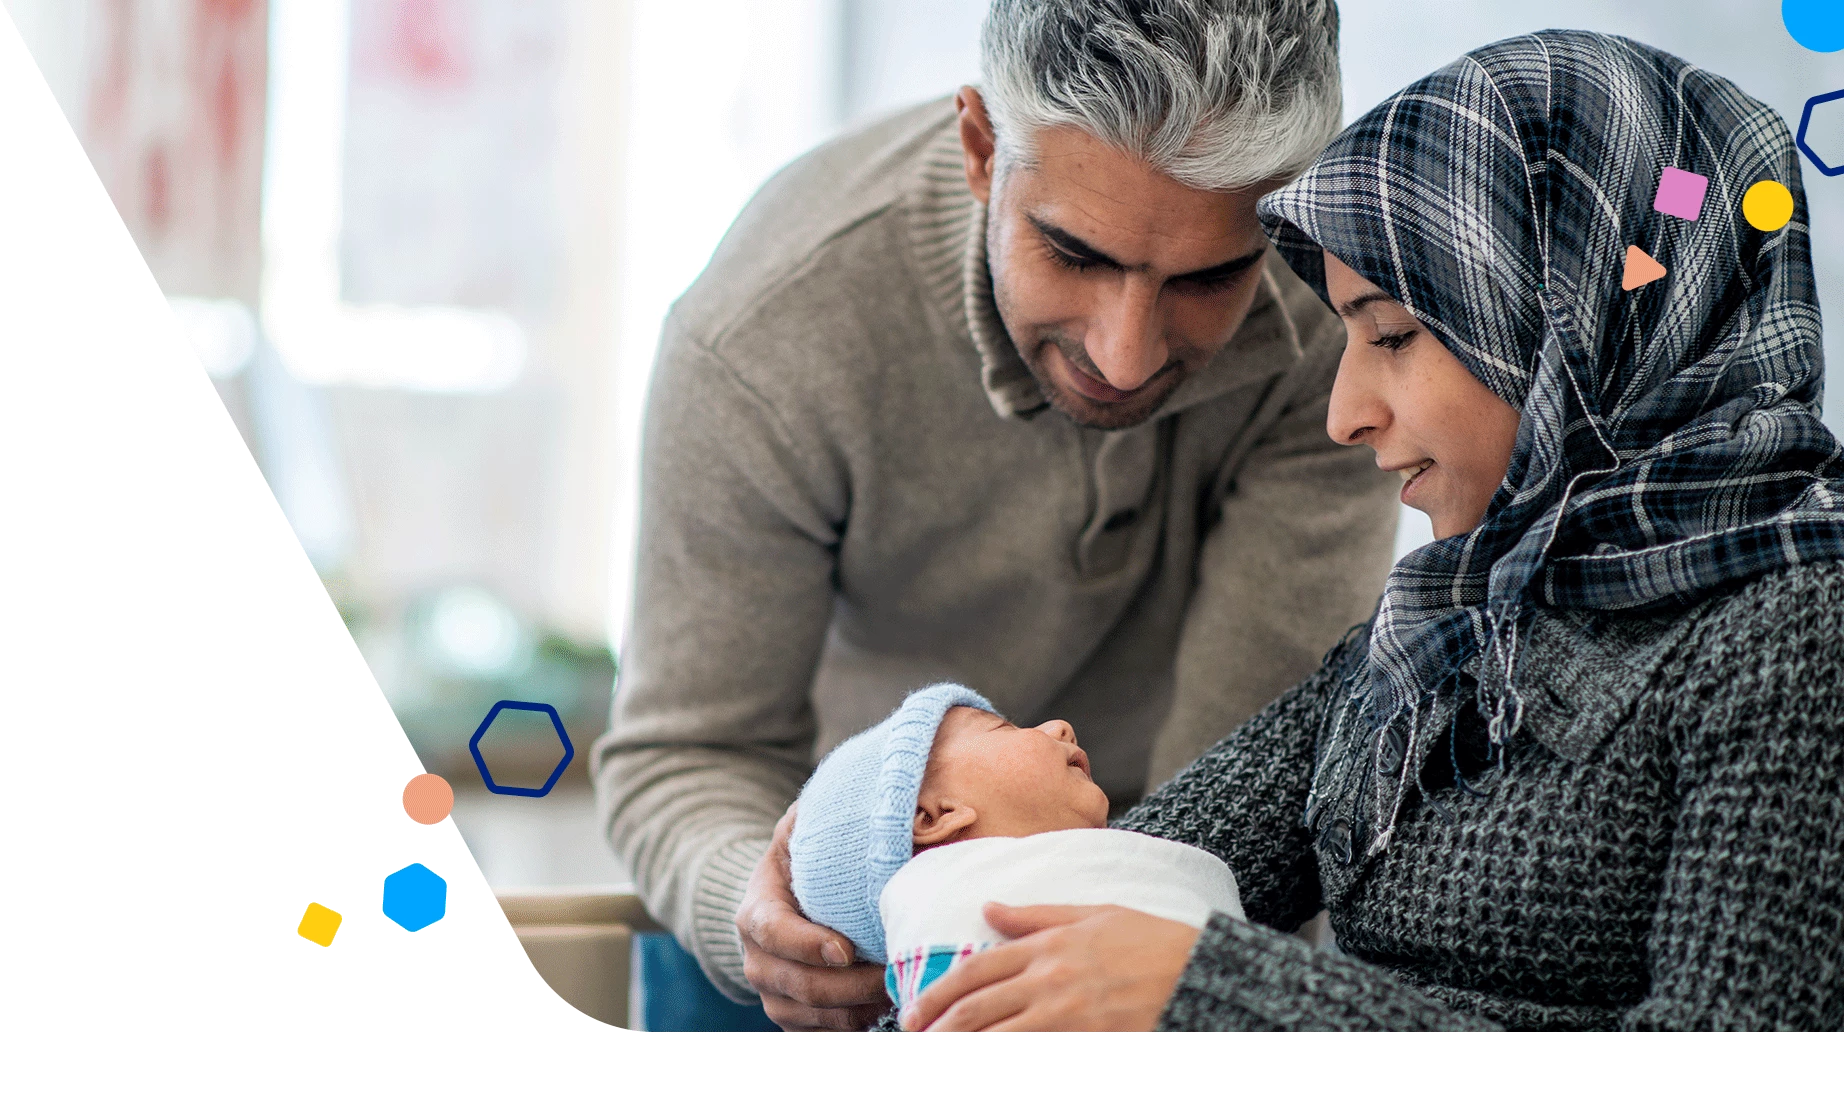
[853, 487]
[1662, 849]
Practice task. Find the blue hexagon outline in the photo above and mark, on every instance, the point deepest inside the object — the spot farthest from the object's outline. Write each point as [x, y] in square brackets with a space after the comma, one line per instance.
[1805, 120]
[480, 762]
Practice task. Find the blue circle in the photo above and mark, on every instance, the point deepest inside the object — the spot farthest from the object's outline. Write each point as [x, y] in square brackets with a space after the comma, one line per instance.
[1814, 24]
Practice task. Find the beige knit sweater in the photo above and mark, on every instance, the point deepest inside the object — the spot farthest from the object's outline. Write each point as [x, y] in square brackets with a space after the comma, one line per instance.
[852, 487]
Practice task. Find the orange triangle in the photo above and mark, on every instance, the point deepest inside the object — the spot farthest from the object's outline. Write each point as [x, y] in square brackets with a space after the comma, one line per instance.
[1640, 269]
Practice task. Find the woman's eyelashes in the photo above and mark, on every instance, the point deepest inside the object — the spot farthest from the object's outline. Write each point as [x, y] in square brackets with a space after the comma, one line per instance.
[1395, 341]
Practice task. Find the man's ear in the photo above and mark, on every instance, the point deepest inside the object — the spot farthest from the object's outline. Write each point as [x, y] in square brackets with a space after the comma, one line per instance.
[977, 143]
[941, 820]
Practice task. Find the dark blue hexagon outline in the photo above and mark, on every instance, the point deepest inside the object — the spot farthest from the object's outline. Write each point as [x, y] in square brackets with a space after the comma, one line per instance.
[480, 762]
[1805, 120]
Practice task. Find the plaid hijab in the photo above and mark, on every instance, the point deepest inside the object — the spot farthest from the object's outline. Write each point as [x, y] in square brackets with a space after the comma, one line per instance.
[1670, 445]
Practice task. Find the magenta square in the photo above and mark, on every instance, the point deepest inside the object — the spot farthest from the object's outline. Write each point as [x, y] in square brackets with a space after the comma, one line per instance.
[1680, 193]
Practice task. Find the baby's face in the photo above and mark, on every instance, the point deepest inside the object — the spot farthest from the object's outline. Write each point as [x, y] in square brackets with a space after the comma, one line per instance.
[987, 778]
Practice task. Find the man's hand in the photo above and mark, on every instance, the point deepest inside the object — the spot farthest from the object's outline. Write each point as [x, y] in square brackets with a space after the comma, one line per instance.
[1068, 969]
[804, 972]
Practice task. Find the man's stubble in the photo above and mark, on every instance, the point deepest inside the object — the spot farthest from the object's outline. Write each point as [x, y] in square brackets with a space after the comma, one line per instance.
[1084, 412]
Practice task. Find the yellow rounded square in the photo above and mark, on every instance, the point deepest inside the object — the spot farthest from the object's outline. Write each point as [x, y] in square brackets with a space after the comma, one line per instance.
[319, 924]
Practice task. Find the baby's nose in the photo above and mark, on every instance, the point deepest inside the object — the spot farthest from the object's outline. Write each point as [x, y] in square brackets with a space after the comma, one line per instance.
[1062, 731]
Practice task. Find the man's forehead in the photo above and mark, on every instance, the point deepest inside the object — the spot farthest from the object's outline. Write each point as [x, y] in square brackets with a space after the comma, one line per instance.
[1119, 203]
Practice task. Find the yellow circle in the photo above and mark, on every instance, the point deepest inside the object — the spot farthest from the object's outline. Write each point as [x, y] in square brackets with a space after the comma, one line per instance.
[1768, 205]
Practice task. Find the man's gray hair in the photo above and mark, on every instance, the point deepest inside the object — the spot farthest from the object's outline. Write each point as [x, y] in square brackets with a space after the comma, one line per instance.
[1217, 94]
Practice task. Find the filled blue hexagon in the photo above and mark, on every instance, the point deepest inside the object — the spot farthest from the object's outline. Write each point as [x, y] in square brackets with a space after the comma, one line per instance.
[414, 897]
[556, 724]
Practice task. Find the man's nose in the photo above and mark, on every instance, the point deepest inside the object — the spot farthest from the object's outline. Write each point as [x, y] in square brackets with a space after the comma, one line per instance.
[1356, 411]
[1128, 347]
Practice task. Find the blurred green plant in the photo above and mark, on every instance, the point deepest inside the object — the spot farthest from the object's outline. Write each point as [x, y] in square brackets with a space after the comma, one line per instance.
[576, 679]
[444, 658]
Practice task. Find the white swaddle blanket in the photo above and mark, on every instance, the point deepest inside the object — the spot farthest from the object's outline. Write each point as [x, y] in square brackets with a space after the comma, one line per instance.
[931, 907]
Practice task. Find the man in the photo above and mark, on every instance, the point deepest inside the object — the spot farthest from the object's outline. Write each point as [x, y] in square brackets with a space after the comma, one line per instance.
[1009, 392]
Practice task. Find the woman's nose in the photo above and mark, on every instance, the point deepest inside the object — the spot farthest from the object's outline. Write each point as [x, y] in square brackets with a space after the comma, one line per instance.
[1357, 411]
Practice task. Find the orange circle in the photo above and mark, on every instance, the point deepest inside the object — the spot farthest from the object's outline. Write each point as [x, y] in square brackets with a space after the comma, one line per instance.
[428, 798]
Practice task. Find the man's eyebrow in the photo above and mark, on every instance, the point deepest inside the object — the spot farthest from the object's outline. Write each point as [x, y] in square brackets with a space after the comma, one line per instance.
[1368, 297]
[1071, 244]
[1222, 271]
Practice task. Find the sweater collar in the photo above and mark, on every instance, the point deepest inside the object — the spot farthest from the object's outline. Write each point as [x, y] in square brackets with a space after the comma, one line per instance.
[948, 237]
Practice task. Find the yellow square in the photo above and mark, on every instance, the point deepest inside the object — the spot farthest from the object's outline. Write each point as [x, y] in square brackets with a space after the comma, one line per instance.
[319, 924]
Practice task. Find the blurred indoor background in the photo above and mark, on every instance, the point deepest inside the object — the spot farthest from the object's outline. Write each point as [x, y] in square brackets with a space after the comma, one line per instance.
[423, 248]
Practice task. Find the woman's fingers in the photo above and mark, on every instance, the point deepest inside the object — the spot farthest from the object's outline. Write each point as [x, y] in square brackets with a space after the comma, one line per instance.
[1032, 1018]
[986, 1007]
[1016, 922]
[975, 973]
[1080, 969]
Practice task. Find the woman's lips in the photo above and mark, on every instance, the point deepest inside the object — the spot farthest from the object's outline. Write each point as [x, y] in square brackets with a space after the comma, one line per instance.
[1414, 476]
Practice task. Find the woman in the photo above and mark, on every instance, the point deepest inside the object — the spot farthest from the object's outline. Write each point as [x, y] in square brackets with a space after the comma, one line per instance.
[1583, 768]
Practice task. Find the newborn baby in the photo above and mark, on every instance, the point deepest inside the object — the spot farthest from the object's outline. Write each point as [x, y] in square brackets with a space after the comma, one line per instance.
[905, 831]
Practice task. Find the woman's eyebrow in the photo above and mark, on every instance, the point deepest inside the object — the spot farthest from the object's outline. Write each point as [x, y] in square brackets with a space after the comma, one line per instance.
[1369, 297]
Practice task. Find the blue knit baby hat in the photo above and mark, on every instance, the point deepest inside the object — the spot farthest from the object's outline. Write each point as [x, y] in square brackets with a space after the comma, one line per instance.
[856, 823]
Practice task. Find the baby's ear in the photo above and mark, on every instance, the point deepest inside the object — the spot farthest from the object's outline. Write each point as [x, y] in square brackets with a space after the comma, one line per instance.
[939, 821]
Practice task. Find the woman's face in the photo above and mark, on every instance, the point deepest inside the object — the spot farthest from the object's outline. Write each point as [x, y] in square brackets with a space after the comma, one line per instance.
[1403, 394]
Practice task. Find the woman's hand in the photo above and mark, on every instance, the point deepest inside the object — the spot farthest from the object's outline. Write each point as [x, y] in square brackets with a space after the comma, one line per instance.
[1068, 969]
